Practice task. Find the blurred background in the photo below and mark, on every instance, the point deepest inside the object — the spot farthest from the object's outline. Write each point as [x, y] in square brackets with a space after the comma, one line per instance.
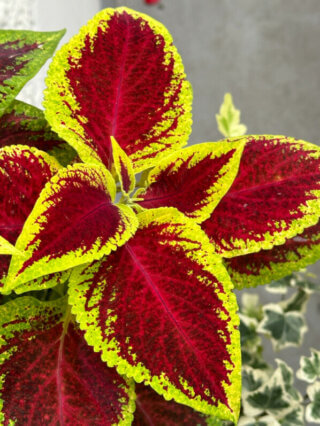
[266, 53]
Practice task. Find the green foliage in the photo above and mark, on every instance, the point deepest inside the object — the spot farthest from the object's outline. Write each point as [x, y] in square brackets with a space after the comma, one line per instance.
[270, 395]
[284, 328]
[310, 367]
[313, 409]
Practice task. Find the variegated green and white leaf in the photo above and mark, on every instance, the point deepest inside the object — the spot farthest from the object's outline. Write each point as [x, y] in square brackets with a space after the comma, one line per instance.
[252, 379]
[309, 370]
[284, 328]
[313, 409]
[228, 119]
[294, 418]
[296, 303]
[285, 373]
[270, 398]
[274, 395]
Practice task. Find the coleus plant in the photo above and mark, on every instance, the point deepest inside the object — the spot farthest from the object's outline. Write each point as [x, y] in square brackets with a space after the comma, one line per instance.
[102, 291]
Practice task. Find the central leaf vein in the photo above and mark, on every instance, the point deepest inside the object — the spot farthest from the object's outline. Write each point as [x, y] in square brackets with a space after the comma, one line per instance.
[158, 294]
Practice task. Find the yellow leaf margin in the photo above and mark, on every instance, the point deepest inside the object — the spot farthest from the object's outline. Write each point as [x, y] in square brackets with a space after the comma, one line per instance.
[36, 222]
[196, 153]
[56, 110]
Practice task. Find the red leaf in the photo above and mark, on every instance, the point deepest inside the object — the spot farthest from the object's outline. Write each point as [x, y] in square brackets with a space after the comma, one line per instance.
[267, 265]
[73, 222]
[123, 67]
[153, 409]
[275, 195]
[50, 375]
[194, 179]
[24, 172]
[161, 309]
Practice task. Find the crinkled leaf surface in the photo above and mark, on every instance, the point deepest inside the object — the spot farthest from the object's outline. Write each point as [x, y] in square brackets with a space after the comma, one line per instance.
[193, 180]
[122, 66]
[161, 309]
[25, 124]
[284, 328]
[253, 269]
[228, 119]
[73, 222]
[22, 54]
[24, 172]
[275, 196]
[153, 409]
[123, 167]
[313, 409]
[49, 373]
[309, 370]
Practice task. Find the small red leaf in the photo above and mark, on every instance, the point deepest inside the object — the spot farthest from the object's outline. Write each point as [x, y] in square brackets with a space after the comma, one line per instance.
[120, 76]
[194, 179]
[267, 265]
[153, 409]
[50, 375]
[161, 309]
[275, 196]
[24, 172]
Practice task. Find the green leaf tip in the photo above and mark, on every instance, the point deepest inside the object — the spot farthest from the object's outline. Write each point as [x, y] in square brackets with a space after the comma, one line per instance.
[228, 119]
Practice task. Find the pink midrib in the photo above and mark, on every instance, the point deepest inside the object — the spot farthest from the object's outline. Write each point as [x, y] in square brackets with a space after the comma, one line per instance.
[59, 381]
[172, 318]
[120, 81]
[59, 367]
[167, 309]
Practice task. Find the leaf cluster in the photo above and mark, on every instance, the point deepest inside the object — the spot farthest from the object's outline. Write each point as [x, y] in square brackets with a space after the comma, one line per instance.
[120, 288]
[270, 395]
